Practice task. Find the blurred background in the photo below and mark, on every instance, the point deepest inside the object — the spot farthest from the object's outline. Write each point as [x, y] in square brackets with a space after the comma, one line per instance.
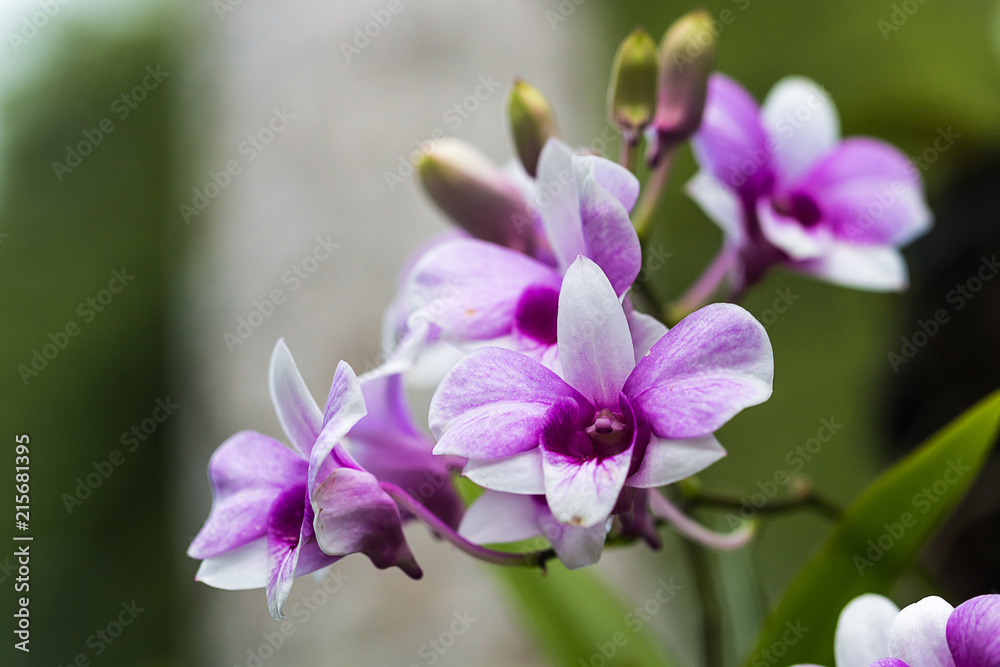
[165, 167]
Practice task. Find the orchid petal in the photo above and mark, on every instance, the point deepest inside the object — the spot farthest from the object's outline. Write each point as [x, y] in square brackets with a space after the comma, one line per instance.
[714, 363]
[669, 461]
[719, 203]
[610, 237]
[645, 330]
[612, 177]
[519, 473]
[862, 635]
[238, 569]
[917, 635]
[872, 268]
[595, 346]
[973, 632]
[344, 408]
[247, 472]
[558, 202]
[298, 414]
[801, 119]
[500, 517]
[494, 403]
[796, 240]
[284, 529]
[576, 546]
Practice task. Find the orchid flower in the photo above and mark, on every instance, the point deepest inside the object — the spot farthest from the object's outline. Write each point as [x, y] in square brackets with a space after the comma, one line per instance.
[787, 191]
[873, 632]
[611, 421]
[279, 512]
[473, 291]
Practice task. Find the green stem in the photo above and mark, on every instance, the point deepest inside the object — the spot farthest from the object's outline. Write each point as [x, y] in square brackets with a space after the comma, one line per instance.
[652, 195]
[711, 605]
[810, 499]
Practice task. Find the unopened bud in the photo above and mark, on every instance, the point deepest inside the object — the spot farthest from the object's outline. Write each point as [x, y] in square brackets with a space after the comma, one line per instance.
[687, 56]
[476, 194]
[532, 122]
[632, 92]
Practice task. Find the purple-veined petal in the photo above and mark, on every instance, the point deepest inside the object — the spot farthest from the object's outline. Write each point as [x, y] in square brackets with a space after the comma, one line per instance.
[796, 240]
[519, 473]
[862, 635]
[535, 316]
[917, 634]
[669, 461]
[247, 473]
[872, 268]
[297, 411]
[610, 238]
[595, 346]
[714, 363]
[239, 569]
[645, 330]
[868, 193]
[344, 408]
[494, 403]
[802, 121]
[285, 527]
[973, 632]
[731, 143]
[559, 203]
[495, 518]
[354, 515]
[719, 203]
[582, 492]
[890, 662]
[470, 288]
[618, 181]
[576, 546]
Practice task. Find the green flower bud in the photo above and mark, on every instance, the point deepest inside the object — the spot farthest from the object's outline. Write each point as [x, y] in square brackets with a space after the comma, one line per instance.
[687, 57]
[476, 194]
[632, 92]
[532, 122]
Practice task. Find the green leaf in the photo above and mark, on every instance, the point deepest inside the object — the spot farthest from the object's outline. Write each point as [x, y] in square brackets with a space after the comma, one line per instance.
[574, 617]
[878, 537]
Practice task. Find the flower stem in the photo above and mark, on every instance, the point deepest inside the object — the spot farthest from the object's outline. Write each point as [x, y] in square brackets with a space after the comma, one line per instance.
[652, 195]
[809, 499]
[711, 605]
[690, 528]
[702, 289]
[410, 504]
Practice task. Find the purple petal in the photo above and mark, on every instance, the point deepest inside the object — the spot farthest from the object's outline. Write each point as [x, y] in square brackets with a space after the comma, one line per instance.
[297, 411]
[354, 515]
[787, 233]
[719, 203]
[645, 330]
[558, 202]
[868, 193]
[344, 408]
[862, 635]
[731, 143]
[610, 238]
[669, 461]
[576, 546]
[917, 634]
[714, 363]
[497, 517]
[595, 345]
[535, 316]
[891, 662]
[284, 528]
[494, 404]
[973, 632]
[239, 569]
[470, 288]
[872, 268]
[247, 472]
[618, 181]
[802, 120]
[519, 473]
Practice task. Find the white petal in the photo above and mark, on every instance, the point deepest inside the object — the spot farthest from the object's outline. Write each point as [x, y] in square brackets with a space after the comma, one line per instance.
[789, 234]
[500, 517]
[862, 635]
[718, 202]
[559, 203]
[576, 546]
[802, 121]
[520, 473]
[872, 268]
[917, 635]
[298, 413]
[583, 493]
[669, 461]
[239, 569]
[646, 330]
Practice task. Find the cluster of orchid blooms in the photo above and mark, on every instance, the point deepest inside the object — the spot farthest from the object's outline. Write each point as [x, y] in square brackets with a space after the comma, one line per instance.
[568, 406]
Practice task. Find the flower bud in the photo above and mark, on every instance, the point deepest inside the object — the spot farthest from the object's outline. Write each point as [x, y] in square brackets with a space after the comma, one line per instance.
[632, 92]
[687, 56]
[532, 122]
[476, 194]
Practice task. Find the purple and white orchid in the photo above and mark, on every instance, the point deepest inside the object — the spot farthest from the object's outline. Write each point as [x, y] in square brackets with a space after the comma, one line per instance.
[787, 191]
[611, 420]
[873, 632]
[279, 512]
